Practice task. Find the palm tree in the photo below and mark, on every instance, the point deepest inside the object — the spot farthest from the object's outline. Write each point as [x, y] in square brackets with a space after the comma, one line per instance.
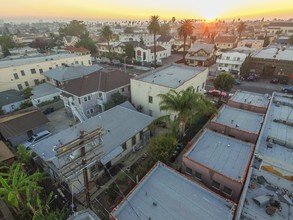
[241, 27]
[186, 29]
[107, 34]
[154, 28]
[185, 104]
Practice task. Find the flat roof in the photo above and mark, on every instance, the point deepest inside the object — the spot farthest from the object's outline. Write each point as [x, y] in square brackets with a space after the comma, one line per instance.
[221, 153]
[239, 119]
[274, 52]
[251, 98]
[35, 59]
[259, 190]
[278, 114]
[166, 194]
[173, 75]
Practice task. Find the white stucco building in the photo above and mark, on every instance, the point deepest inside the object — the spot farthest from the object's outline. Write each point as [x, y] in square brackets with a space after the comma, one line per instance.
[146, 54]
[27, 71]
[231, 61]
[146, 88]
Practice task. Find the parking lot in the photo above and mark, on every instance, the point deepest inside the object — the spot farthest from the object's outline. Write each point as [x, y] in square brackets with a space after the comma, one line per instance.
[59, 120]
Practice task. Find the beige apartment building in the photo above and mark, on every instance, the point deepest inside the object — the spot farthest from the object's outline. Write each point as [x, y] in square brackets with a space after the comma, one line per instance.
[25, 72]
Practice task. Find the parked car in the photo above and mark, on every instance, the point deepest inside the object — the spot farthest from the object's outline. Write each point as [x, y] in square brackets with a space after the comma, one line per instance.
[251, 78]
[274, 80]
[237, 81]
[217, 93]
[178, 149]
[36, 137]
[284, 81]
[105, 60]
[48, 110]
[288, 89]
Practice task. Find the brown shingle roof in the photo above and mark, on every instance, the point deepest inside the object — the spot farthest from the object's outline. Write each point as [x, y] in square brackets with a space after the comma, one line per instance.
[102, 80]
[75, 49]
[225, 39]
[5, 153]
[15, 124]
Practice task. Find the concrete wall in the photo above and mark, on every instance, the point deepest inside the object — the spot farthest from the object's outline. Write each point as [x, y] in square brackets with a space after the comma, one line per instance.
[50, 97]
[140, 92]
[252, 108]
[209, 175]
[233, 132]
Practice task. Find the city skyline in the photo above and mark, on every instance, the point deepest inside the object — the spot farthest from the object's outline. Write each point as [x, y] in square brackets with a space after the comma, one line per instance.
[116, 10]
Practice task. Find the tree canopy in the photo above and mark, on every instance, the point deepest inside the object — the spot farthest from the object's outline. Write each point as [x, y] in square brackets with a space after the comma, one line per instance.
[154, 28]
[6, 41]
[240, 28]
[116, 99]
[74, 28]
[186, 29]
[107, 34]
[128, 30]
[129, 50]
[87, 43]
[165, 29]
[185, 104]
[162, 147]
[224, 82]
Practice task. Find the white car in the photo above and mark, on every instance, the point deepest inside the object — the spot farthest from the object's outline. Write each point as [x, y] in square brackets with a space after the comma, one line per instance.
[36, 137]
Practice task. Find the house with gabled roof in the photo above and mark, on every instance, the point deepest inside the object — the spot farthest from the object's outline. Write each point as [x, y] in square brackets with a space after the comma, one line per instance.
[86, 96]
[225, 42]
[146, 54]
[10, 100]
[201, 54]
[19, 126]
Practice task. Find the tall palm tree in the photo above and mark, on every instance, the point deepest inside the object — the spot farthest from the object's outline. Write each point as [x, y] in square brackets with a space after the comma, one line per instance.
[185, 104]
[240, 28]
[107, 34]
[186, 29]
[154, 28]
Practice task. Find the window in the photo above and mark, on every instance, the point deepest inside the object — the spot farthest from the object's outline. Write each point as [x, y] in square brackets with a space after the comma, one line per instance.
[123, 146]
[79, 101]
[215, 184]
[197, 88]
[197, 175]
[89, 62]
[19, 87]
[26, 84]
[188, 170]
[37, 82]
[133, 140]
[150, 112]
[100, 95]
[41, 70]
[22, 72]
[85, 99]
[227, 191]
[33, 71]
[89, 97]
[122, 90]
[228, 58]
[91, 111]
[15, 76]
[150, 99]
[76, 62]
[203, 85]
[50, 68]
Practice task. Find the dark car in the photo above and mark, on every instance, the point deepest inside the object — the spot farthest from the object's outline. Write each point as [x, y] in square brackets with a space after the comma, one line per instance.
[237, 81]
[274, 80]
[48, 110]
[288, 89]
[251, 78]
[178, 149]
[284, 81]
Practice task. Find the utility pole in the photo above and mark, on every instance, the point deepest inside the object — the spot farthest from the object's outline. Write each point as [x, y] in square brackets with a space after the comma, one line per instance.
[87, 146]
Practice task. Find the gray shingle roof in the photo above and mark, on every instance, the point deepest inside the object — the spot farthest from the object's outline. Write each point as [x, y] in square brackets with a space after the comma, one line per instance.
[10, 96]
[67, 73]
[206, 47]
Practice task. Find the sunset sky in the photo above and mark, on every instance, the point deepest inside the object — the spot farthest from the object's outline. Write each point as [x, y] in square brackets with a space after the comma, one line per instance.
[130, 9]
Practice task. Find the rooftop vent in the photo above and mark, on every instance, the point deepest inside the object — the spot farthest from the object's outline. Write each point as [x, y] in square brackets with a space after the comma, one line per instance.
[154, 204]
